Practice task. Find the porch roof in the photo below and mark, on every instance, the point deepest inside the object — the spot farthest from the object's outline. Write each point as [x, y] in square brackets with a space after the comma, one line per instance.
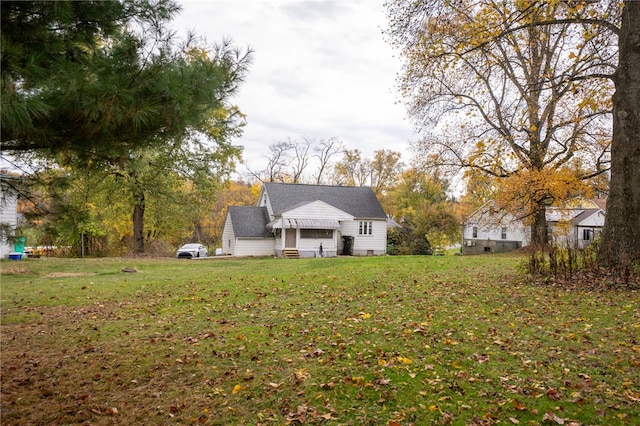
[279, 223]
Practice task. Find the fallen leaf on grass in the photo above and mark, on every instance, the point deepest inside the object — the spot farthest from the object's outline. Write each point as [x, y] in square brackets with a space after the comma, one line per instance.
[300, 375]
[405, 360]
[248, 375]
[550, 417]
[554, 394]
[519, 405]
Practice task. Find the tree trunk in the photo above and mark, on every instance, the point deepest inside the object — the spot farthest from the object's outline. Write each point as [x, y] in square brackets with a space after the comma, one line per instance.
[138, 223]
[621, 235]
[539, 228]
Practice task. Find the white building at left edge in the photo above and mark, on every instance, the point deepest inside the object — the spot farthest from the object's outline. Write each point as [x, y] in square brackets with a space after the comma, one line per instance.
[8, 214]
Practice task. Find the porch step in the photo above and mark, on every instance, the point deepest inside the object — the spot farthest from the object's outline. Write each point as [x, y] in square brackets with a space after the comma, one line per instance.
[291, 254]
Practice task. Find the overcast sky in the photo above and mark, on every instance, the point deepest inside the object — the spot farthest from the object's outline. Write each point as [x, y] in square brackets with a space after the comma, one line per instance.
[320, 69]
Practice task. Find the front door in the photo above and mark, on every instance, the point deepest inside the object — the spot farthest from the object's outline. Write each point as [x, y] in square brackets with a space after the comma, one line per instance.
[290, 238]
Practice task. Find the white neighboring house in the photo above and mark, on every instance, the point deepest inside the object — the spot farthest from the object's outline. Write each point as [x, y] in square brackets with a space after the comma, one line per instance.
[295, 220]
[576, 228]
[489, 231]
[8, 216]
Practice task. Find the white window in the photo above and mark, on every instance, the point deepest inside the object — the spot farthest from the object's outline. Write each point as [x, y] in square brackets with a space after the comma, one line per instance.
[475, 232]
[365, 228]
[503, 235]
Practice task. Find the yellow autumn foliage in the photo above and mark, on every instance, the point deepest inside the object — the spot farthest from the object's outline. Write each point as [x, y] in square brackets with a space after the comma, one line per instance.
[552, 187]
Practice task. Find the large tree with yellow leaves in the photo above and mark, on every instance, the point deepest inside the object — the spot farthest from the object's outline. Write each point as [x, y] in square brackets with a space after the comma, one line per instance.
[496, 88]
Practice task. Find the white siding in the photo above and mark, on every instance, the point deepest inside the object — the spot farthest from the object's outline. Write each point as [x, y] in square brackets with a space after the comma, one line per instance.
[493, 231]
[8, 215]
[349, 228]
[363, 244]
[228, 237]
[254, 247]
[592, 224]
[317, 210]
[489, 226]
[595, 220]
[310, 247]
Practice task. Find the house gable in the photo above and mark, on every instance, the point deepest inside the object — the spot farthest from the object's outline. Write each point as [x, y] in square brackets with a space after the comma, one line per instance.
[316, 210]
[590, 218]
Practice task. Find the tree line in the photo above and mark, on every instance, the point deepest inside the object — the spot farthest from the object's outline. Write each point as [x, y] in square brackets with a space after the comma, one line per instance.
[86, 209]
[534, 101]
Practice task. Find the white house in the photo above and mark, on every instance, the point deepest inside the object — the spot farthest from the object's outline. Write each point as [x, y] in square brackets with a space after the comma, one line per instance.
[8, 217]
[295, 220]
[488, 230]
[575, 227]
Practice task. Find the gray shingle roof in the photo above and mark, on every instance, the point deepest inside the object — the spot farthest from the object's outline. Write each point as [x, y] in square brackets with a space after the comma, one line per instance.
[249, 221]
[359, 202]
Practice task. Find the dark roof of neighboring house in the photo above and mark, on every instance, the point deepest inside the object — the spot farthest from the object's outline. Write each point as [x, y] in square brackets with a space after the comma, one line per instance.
[249, 221]
[358, 201]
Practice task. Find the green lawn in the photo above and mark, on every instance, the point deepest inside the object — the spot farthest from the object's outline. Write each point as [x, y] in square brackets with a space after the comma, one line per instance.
[341, 341]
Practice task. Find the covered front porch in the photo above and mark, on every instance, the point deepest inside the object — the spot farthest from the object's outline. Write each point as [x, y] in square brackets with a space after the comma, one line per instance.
[308, 237]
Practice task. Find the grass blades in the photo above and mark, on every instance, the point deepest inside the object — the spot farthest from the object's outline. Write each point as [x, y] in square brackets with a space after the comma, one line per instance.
[338, 341]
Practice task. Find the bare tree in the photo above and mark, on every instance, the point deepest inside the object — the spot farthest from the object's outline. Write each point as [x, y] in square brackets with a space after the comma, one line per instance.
[324, 152]
[277, 162]
[301, 157]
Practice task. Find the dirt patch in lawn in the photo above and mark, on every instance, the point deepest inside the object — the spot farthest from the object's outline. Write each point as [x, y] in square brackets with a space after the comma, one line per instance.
[69, 274]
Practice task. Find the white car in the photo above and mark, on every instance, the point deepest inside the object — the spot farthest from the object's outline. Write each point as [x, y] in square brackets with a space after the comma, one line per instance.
[190, 251]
